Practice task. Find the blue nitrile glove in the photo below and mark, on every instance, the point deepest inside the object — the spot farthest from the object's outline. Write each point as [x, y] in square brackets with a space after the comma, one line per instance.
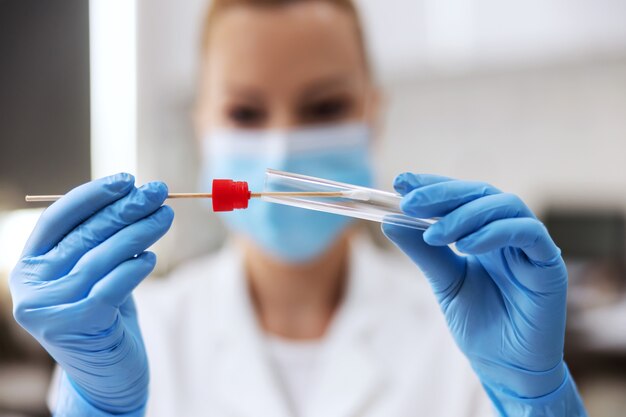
[72, 286]
[504, 301]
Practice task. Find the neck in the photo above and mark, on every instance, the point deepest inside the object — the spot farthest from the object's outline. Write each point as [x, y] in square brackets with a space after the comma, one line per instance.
[297, 301]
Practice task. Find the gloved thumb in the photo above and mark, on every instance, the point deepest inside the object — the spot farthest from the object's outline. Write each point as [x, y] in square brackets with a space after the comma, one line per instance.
[441, 266]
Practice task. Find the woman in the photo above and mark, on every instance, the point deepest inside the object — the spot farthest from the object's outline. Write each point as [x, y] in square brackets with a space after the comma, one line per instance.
[298, 315]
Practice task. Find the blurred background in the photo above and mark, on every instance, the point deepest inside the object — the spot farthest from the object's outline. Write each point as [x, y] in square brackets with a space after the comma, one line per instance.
[530, 96]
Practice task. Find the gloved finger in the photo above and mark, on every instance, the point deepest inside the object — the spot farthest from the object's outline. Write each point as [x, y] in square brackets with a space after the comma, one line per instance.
[102, 259]
[443, 268]
[115, 288]
[137, 204]
[437, 200]
[128, 311]
[527, 234]
[472, 216]
[405, 182]
[74, 208]
[128, 308]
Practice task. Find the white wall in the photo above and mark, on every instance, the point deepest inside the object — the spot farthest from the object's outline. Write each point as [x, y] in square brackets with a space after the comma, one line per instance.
[554, 135]
[408, 37]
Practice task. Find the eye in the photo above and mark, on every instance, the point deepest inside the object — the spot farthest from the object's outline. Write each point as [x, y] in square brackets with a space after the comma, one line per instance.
[246, 116]
[326, 110]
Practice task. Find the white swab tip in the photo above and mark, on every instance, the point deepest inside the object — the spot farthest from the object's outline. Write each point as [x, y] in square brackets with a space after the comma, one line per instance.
[361, 195]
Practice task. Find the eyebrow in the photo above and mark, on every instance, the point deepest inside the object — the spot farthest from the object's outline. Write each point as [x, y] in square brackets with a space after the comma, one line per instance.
[310, 90]
[316, 87]
[246, 93]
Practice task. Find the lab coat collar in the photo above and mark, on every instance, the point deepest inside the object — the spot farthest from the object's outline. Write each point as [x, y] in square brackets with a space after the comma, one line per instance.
[349, 375]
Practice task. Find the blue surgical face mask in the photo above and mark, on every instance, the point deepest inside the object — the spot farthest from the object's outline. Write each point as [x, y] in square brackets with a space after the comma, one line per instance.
[293, 235]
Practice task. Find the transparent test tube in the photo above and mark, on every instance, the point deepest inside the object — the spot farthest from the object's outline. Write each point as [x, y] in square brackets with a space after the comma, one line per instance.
[355, 201]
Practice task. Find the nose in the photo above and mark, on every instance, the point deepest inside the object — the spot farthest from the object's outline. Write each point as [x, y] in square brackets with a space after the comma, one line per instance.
[283, 117]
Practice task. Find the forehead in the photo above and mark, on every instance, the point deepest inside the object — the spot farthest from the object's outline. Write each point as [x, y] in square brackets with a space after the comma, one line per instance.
[284, 45]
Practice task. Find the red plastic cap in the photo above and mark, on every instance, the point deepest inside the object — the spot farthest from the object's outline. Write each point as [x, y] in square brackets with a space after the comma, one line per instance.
[229, 195]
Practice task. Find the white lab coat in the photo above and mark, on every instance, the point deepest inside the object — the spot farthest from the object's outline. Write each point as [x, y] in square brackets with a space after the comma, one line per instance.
[387, 352]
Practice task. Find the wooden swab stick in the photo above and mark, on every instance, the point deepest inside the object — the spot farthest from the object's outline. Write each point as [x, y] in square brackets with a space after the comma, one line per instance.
[329, 194]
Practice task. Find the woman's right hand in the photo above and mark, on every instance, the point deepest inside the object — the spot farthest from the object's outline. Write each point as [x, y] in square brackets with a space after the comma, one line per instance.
[72, 286]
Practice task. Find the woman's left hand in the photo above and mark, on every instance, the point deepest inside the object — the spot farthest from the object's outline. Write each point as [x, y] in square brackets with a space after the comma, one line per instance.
[504, 301]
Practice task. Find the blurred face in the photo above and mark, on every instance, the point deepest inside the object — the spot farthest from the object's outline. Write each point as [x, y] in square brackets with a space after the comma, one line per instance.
[283, 67]
[269, 76]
